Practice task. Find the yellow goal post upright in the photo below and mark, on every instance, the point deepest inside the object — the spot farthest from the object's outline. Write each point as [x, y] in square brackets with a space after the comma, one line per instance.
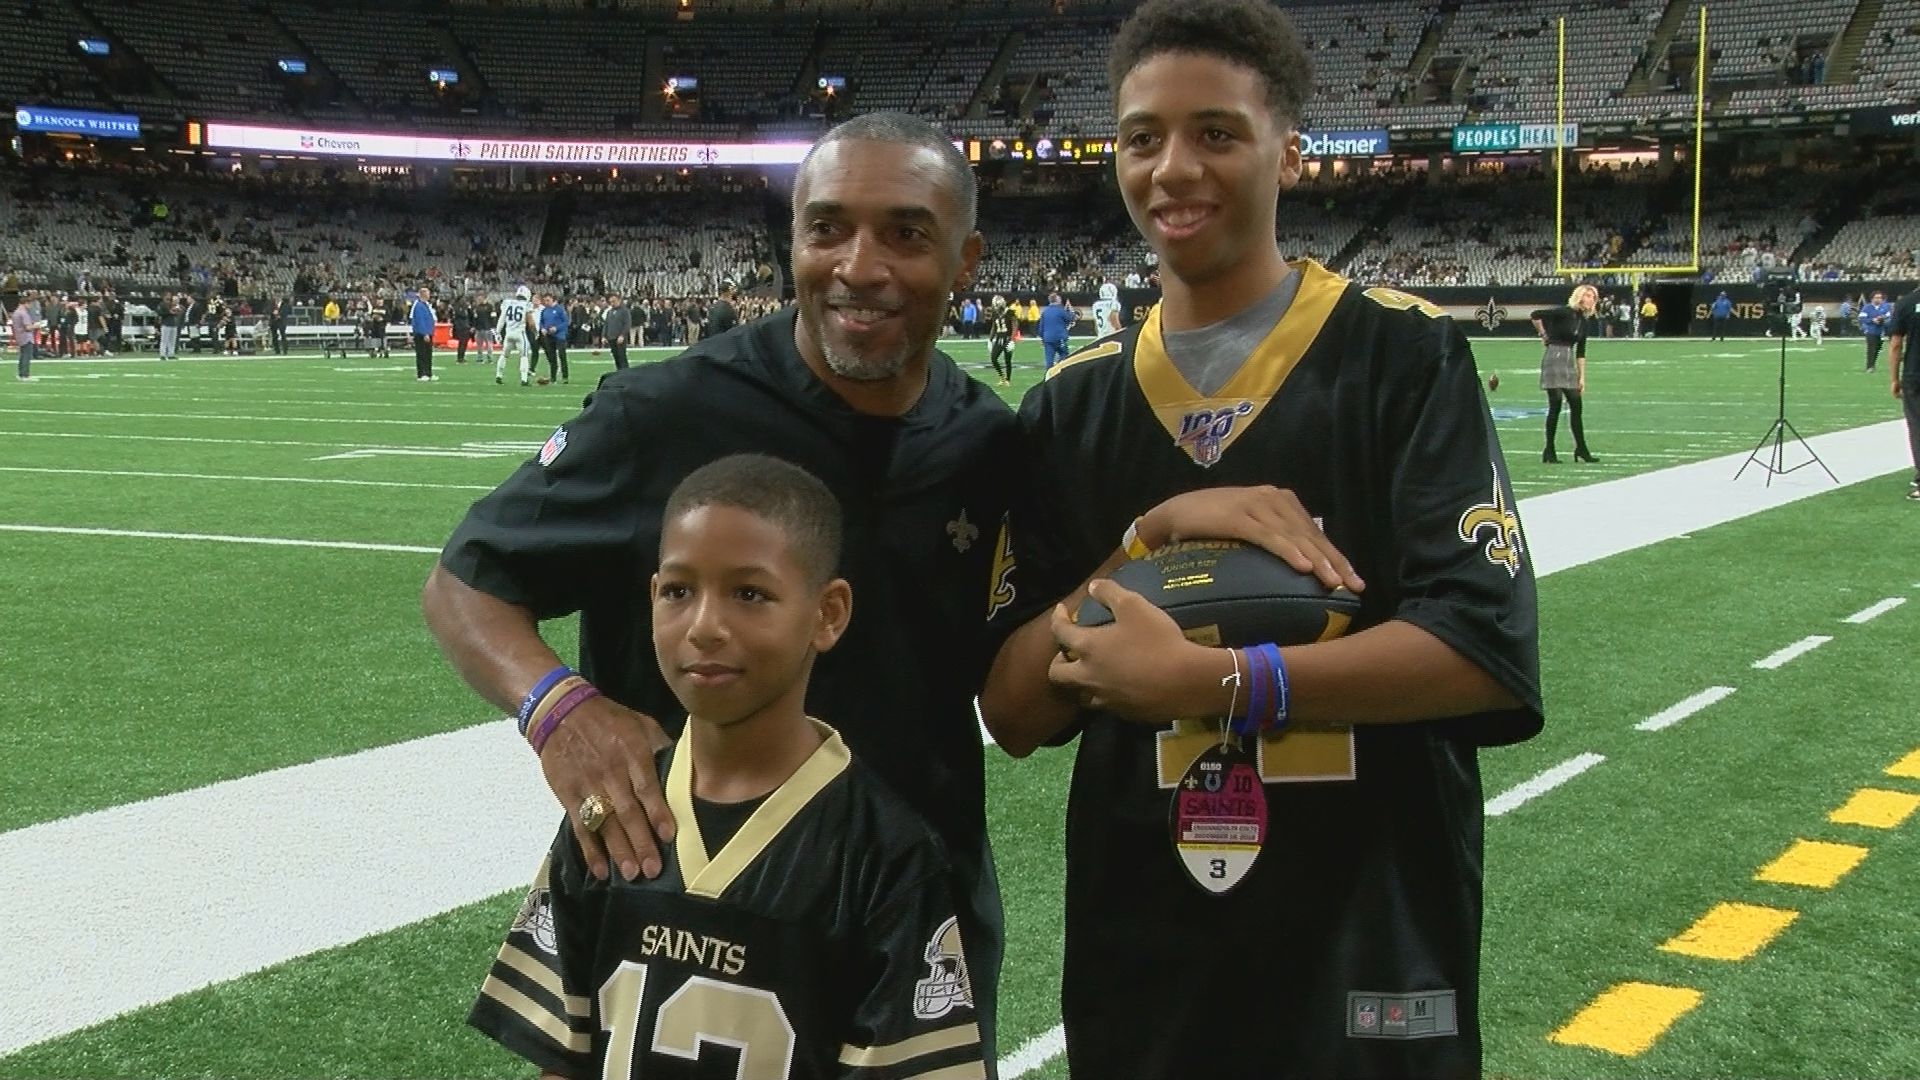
[1634, 273]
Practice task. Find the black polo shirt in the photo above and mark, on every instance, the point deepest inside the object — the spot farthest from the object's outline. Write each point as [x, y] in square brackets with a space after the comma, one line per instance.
[924, 498]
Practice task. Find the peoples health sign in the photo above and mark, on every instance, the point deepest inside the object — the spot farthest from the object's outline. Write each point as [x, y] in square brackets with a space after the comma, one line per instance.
[1495, 138]
[482, 150]
[77, 122]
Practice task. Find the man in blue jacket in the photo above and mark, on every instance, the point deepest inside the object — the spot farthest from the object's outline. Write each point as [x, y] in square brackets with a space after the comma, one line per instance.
[420, 320]
[1720, 312]
[553, 335]
[1056, 322]
[1876, 319]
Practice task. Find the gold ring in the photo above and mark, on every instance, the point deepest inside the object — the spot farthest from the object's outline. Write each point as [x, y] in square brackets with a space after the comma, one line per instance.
[594, 810]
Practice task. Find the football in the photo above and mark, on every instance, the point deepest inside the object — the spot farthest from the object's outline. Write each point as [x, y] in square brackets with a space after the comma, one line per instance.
[1242, 593]
[1493, 381]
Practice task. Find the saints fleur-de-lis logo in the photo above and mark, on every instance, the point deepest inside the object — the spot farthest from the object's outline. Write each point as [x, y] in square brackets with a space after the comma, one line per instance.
[461, 150]
[1504, 545]
[964, 532]
[707, 154]
[1491, 315]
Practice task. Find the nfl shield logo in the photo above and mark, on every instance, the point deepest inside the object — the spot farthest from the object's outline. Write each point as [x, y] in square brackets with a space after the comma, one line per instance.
[1366, 1018]
[555, 443]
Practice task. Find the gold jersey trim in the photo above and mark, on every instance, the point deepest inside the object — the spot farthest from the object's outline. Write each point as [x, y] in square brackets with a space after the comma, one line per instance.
[1205, 426]
[709, 875]
[932, 1042]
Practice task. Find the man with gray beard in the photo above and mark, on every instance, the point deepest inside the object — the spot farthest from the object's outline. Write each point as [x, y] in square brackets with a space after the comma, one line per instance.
[848, 385]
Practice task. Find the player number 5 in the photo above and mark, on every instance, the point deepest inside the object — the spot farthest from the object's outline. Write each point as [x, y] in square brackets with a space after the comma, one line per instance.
[703, 1010]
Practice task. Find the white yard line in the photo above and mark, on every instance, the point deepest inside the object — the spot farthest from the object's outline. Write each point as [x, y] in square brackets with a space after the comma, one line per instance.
[267, 419]
[293, 845]
[1527, 790]
[1673, 714]
[268, 541]
[263, 479]
[1785, 656]
[1870, 613]
[1034, 1053]
[529, 447]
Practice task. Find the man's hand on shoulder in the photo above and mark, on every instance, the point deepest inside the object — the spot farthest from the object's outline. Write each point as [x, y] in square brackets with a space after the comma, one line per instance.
[604, 748]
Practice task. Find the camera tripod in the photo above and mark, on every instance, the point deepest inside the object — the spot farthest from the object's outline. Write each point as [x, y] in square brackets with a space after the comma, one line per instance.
[1773, 464]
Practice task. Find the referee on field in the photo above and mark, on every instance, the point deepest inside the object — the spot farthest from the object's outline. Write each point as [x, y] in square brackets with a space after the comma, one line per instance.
[420, 320]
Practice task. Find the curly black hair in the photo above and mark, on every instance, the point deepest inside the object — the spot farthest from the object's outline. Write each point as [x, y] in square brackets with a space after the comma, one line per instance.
[1251, 33]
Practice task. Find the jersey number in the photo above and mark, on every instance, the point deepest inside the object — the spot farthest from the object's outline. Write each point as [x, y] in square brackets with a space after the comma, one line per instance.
[703, 1010]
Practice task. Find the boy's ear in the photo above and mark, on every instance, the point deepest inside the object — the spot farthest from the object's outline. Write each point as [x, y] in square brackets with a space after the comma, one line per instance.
[836, 610]
[653, 588]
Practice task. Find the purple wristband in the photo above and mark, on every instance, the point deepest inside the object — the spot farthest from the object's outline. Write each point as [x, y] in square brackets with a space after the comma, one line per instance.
[532, 701]
[551, 722]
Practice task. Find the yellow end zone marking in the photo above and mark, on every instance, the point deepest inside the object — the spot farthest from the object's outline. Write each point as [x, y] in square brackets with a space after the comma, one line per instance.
[1731, 931]
[1814, 863]
[1876, 809]
[1908, 766]
[1626, 1019]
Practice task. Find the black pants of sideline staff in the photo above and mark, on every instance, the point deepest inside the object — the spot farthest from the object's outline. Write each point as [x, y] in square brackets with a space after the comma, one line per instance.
[619, 355]
[556, 358]
[423, 357]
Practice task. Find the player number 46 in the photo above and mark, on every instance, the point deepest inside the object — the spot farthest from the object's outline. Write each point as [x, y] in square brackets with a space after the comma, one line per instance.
[703, 1010]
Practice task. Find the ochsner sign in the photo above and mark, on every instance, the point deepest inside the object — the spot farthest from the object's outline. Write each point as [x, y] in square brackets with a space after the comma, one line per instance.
[487, 150]
[1371, 142]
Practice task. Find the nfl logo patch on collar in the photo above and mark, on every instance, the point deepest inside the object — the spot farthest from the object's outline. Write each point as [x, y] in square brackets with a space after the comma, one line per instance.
[555, 443]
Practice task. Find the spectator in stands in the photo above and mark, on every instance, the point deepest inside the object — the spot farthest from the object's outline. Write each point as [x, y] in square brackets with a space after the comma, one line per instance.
[618, 328]
[1876, 318]
[420, 322]
[21, 322]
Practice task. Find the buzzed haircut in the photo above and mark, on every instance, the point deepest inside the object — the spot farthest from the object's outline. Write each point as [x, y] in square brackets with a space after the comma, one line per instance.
[909, 130]
[782, 494]
[1251, 33]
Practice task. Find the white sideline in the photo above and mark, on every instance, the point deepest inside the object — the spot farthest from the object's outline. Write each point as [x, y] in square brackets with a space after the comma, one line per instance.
[322, 854]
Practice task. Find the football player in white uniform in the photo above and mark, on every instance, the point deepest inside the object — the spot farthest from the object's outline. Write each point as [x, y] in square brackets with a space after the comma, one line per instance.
[516, 316]
[1817, 323]
[1106, 310]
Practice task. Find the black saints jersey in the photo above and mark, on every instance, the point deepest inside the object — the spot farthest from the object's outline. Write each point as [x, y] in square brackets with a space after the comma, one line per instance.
[1000, 323]
[819, 941]
[1352, 946]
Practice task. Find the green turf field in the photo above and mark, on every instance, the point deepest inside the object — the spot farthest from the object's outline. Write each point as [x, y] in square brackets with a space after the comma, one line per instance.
[147, 664]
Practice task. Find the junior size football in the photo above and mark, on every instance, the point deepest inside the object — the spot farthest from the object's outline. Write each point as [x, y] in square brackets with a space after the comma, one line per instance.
[1250, 595]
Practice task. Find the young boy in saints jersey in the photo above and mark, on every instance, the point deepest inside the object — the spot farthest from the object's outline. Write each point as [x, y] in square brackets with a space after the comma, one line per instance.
[803, 925]
[1321, 919]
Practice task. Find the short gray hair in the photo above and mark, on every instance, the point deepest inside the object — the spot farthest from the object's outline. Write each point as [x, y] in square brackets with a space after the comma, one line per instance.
[909, 130]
